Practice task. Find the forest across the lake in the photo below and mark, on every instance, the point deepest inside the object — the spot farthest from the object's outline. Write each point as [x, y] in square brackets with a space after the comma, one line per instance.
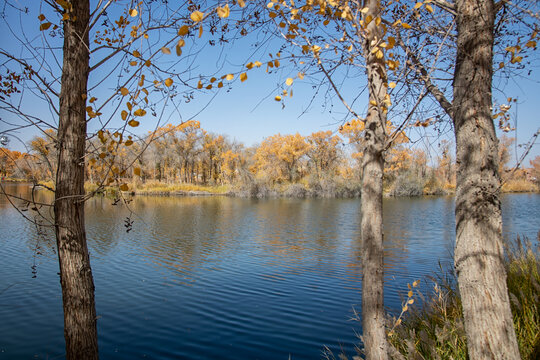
[186, 159]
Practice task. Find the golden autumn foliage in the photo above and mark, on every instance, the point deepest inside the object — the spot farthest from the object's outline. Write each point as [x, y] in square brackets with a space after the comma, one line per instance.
[187, 154]
[323, 151]
[9, 162]
[278, 158]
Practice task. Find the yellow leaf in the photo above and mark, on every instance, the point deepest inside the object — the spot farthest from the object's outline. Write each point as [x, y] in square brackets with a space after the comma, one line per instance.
[415, 283]
[410, 293]
[129, 142]
[229, 77]
[289, 81]
[65, 17]
[272, 14]
[411, 301]
[136, 171]
[368, 19]
[418, 5]
[136, 53]
[129, 106]
[181, 42]
[178, 50]
[44, 26]
[501, 65]
[405, 308]
[133, 12]
[213, 79]
[220, 84]
[258, 63]
[531, 44]
[124, 114]
[379, 54]
[391, 42]
[147, 63]
[373, 102]
[200, 31]
[139, 112]
[168, 82]
[223, 12]
[92, 99]
[41, 17]
[124, 187]
[429, 8]
[392, 85]
[249, 65]
[516, 59]
[133, 63]
[124, 91]
[199, 85]
[209, 87]
[277, 98]
[241, 3]
[133, 123]
[243, 77]
[405, 25]
[184, 29]
[364, 10]
[166, 50]
[301, 76]
[102, 156]
[196, 16]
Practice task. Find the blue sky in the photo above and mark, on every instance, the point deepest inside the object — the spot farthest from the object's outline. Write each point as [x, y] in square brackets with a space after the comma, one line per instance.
[248, 112]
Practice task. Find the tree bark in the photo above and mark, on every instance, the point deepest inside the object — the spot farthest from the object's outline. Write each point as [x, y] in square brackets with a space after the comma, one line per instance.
[75, 273]
[478, 252]
[373, 315]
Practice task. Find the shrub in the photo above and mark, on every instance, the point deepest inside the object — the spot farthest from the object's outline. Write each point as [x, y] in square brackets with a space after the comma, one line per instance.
[519, 185]
[407, 185]
[296, 191]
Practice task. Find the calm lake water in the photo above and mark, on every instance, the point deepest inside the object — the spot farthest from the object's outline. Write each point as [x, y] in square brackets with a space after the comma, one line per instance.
[224, 278]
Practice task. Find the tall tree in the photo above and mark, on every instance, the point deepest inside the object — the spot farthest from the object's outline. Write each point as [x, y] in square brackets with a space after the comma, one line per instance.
[479, 252]
[373, 314]
[80, 323]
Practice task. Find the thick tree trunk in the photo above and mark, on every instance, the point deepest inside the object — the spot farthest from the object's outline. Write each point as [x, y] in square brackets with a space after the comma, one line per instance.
[479, 252]
[373, 315]
[75, 272]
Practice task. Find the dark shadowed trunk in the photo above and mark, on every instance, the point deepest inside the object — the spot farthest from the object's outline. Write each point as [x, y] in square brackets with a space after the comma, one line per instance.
[479, 252]
[75, 272]
[373, 316]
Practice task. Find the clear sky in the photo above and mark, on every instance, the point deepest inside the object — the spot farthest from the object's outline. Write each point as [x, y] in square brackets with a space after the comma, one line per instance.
[248, 112]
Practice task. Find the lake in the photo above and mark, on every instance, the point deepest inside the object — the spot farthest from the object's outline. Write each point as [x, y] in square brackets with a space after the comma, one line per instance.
[220, 277]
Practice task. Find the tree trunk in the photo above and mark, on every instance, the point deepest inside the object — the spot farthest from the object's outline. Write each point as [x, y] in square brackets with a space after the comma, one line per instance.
[75, 273]
[479, 253]
[373, 316]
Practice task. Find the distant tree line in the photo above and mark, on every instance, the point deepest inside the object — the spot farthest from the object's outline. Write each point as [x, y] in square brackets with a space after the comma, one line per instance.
[188, 154]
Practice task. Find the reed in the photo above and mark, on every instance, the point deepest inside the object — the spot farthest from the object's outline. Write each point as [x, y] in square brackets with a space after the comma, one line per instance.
[436, 331]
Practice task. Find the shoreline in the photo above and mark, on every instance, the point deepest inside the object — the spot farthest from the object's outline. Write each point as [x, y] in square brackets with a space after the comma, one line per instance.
[258, 191]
